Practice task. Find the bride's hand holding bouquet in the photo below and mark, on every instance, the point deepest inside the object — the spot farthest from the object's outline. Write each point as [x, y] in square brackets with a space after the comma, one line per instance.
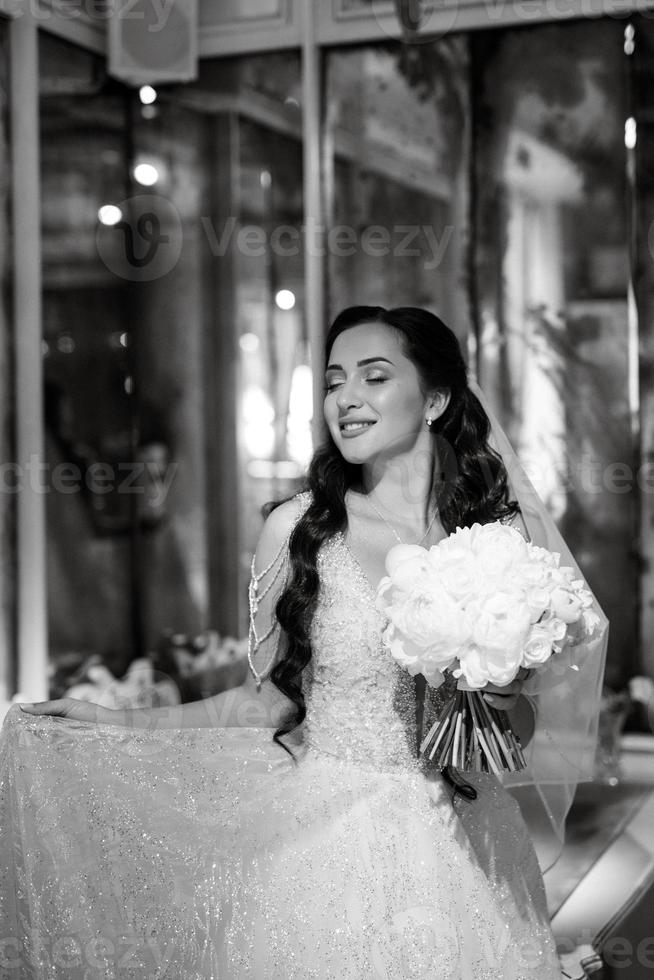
[483, 607]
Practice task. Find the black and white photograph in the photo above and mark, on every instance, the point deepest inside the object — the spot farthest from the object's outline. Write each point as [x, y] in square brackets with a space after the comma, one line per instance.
[326, 489]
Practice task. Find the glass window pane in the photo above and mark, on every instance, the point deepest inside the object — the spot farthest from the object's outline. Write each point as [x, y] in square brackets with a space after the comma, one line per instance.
[397, 156]
[89, 409]
[551, 263]
[177, 380]
[640, 47]
[7, 451]
[253, 226]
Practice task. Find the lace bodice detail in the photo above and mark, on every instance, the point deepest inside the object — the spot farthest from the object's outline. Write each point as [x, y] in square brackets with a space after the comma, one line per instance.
[361, 705]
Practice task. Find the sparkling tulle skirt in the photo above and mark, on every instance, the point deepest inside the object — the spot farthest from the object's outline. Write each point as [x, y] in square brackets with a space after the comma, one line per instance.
[209, 853]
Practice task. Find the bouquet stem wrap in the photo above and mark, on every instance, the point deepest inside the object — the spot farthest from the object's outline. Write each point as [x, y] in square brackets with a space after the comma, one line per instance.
[472, 736]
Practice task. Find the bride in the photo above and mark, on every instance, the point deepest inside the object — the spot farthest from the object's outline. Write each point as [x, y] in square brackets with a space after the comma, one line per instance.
[288, 828]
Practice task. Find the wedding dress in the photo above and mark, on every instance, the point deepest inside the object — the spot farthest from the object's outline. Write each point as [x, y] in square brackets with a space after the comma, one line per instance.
[210, 853]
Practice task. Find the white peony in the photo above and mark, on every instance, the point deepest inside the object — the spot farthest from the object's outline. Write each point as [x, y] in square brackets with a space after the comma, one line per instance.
[431, 620]
[500, 621]
[459, 572]
[480, 666]
[416, 659]
[402, 552]
[409, 567]
[498, 549]
[481, 603]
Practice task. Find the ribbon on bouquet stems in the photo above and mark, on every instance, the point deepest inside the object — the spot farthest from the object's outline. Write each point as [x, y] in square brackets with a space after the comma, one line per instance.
[472, 736]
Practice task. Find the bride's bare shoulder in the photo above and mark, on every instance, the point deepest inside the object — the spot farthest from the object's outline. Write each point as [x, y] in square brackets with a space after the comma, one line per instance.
[278, 526]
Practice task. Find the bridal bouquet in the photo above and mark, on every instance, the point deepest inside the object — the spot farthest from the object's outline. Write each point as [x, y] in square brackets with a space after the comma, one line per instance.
[477, 607]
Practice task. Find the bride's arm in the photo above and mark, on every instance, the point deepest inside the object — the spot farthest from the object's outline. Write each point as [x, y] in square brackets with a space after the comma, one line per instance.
[246, 706]
[239, 707]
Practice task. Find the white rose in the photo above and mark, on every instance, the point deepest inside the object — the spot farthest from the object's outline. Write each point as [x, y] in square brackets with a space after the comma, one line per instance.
[538, 648]
[590, 620]
[531, 575]
[556, 627]
[549, 558]
[563, 576]
[538, 600]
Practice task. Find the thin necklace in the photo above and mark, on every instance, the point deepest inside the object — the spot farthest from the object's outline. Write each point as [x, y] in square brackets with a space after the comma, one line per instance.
[390, 526]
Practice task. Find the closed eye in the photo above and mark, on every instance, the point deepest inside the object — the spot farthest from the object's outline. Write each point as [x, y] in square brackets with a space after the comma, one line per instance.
[332, 385]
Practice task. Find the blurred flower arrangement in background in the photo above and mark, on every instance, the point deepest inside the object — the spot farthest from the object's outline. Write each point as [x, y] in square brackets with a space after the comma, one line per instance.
[202, 665]
[182, 668]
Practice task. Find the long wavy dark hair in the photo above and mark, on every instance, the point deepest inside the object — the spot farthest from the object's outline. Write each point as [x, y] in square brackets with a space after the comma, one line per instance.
[471, 487]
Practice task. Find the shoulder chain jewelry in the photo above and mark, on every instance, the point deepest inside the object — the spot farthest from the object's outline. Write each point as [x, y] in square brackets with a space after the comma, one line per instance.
[254, 601]
[254, 597]
[390, 526]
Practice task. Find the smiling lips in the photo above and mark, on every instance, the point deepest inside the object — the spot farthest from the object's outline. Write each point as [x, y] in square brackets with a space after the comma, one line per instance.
[350, 429]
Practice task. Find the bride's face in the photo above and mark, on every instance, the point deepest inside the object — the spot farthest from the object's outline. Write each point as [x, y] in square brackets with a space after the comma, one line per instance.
[374, 405]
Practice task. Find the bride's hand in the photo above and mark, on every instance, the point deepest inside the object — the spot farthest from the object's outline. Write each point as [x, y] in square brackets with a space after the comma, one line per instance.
[69, 708]
[505, 698]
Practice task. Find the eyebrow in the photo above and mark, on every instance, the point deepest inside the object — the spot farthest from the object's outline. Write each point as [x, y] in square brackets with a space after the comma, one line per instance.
[366, 360]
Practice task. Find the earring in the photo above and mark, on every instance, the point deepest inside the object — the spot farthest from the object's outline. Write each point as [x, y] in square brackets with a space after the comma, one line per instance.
[429, 422]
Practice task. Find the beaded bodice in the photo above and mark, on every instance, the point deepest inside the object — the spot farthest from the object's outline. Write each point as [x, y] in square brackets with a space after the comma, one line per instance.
[361, 706]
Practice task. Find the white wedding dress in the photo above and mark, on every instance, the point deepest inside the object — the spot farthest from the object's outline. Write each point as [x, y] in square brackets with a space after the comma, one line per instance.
[209, 853]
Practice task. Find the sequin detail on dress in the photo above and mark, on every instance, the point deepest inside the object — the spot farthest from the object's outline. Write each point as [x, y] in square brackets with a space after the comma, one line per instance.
[361, 706]
[199, 854]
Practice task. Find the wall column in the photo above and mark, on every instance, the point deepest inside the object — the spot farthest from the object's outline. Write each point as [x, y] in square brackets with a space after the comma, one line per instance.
[30, 501]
